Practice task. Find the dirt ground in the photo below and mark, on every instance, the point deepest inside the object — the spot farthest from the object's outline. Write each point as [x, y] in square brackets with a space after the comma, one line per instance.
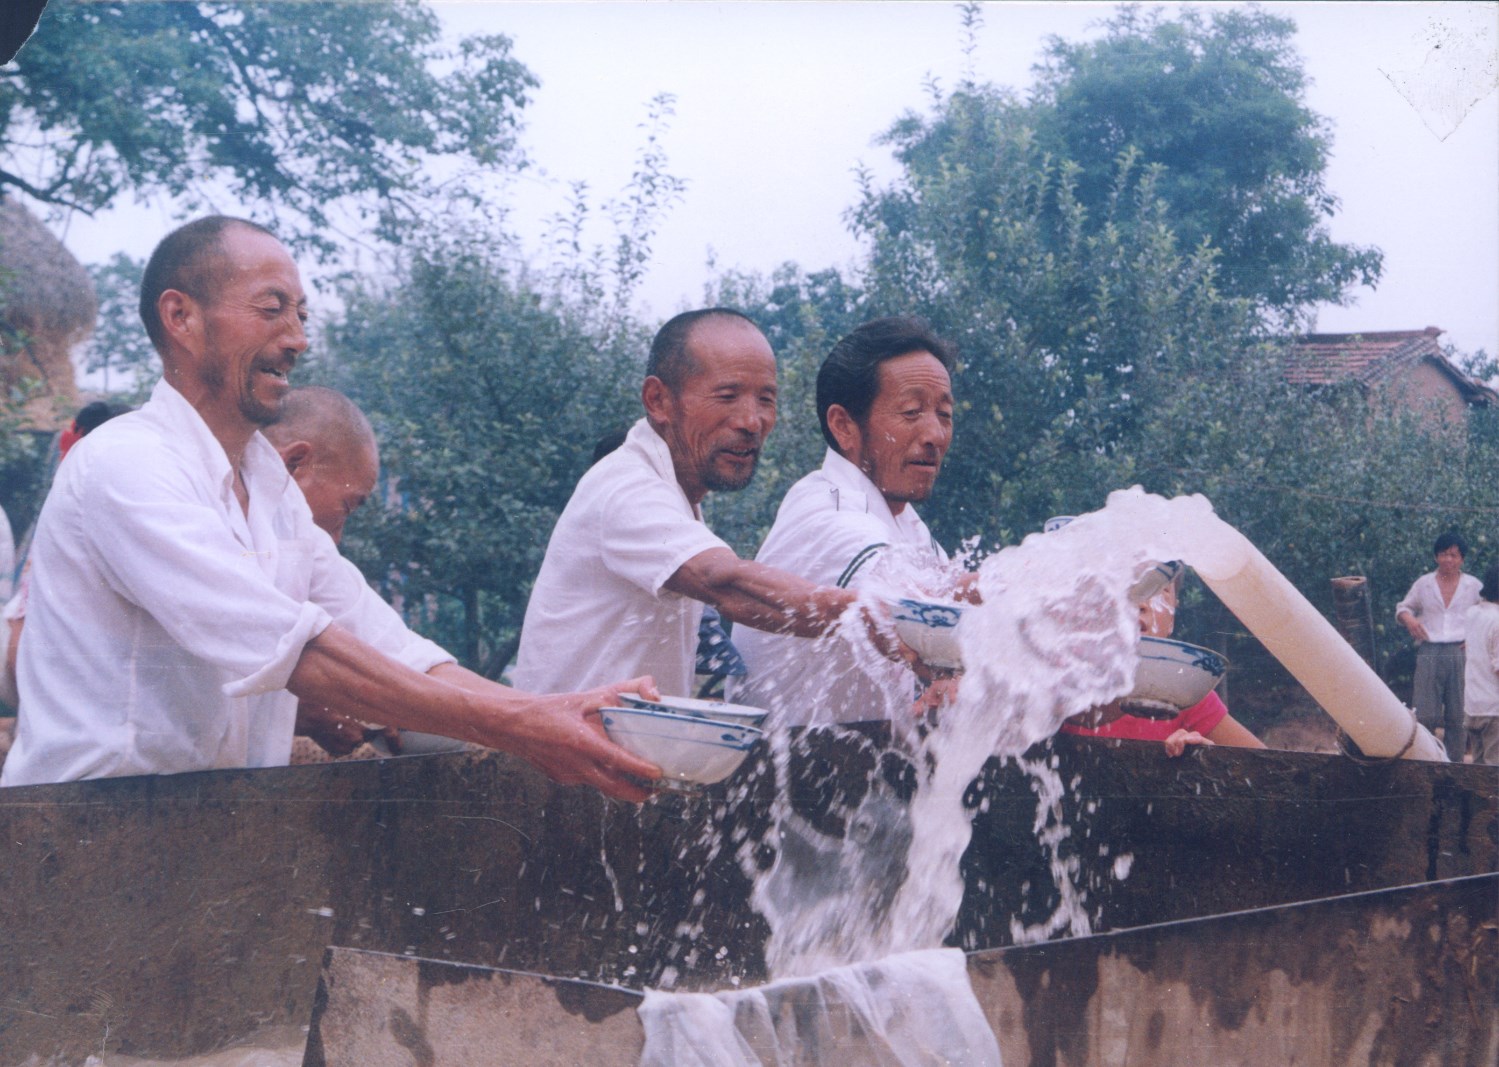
[1303, 731]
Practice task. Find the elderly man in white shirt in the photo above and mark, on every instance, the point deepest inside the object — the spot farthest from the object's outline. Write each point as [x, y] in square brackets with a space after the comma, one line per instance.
[1435, 613]
[183, 599]
[884, 398]
[631, 563]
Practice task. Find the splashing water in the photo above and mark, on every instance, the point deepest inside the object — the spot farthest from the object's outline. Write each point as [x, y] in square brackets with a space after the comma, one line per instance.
[1055, 635]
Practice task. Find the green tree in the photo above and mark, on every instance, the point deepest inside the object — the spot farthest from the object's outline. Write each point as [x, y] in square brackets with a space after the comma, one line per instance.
[1071, 331]
[487, 392]
[309, 108]
[119, 346]
[1219, 102]
[1099, 351]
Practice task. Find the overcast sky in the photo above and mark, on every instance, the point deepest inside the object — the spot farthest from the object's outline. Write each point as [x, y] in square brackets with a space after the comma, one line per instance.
[778, 102]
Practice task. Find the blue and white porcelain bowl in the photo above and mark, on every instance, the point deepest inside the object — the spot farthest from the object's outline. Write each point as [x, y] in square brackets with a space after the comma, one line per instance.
[690, 751]
[930, 627]
[1172, 676]
[721, 710]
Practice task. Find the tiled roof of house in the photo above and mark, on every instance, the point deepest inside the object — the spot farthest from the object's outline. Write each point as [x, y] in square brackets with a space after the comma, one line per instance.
[1370, 358]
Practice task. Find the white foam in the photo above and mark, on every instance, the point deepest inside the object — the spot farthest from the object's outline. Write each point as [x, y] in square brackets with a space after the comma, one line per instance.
[904, 1011]
[1055, 635]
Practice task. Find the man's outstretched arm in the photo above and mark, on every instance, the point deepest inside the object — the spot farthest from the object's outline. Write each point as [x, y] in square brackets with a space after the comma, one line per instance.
[767, 598]
[560, 734]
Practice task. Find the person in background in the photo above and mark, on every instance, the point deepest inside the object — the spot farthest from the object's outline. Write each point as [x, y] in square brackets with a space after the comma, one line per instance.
[1434, 613]
[630, 562]
[885, 403]
[331, 453]
[1481, 673]
[213, 602]
[1205, 723]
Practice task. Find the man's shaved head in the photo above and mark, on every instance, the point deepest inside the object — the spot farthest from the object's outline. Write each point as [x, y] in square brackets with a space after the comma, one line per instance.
[329, 448]
[323, 417]
[191, 260]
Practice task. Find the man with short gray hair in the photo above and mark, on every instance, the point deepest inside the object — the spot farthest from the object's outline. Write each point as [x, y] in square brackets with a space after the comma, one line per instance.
[329, 450]
[183, 600]
[631, 563]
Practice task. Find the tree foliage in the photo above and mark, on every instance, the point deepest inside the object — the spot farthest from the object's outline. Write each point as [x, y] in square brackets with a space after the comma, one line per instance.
[1071, 334]
[487, 394]
[1098, 351]
[119, 346]
[1218, 101]
[305, 107]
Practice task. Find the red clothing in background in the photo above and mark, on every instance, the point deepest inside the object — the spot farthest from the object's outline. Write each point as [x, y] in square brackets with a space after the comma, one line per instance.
[1204, 717]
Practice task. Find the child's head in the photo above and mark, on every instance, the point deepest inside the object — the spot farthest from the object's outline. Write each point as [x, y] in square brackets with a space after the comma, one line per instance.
[1158, 612]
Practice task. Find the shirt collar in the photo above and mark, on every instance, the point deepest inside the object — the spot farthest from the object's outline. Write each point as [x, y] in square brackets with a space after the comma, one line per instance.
[262, 463]
[857, 493]
[644, 439]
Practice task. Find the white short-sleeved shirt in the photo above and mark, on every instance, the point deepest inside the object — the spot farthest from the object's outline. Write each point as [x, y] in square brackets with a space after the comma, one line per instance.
[599, 611]
[833, 528]
[1481, 680]
[163, 620]
[1445, 623]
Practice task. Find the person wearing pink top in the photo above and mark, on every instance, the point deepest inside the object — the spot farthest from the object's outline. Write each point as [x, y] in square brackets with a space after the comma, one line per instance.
[1205, 723]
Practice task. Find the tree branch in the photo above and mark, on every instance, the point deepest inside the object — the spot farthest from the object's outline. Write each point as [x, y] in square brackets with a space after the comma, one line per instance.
[46, 196]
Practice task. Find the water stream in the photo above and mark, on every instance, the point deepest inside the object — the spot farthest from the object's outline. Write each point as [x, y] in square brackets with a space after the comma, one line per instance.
[1055, 635]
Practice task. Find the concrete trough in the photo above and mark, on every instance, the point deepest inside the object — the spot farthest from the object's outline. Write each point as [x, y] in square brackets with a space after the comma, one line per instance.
[168, 916]
[1393, 978]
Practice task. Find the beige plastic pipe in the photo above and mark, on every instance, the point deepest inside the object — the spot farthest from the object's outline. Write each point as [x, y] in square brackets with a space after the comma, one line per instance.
[1298, 636]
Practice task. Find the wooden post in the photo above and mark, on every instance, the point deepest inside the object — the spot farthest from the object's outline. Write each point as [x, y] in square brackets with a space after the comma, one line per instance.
[1353, 615]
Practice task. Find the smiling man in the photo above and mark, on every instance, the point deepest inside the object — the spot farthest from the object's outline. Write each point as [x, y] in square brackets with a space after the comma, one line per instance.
[182, 597]
[631, 563]
[884, 398]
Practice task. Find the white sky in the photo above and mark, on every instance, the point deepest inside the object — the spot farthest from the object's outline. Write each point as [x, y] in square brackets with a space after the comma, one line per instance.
[778, 102]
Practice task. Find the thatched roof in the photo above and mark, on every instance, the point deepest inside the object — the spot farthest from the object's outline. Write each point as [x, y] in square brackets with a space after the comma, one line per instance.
[43, 289]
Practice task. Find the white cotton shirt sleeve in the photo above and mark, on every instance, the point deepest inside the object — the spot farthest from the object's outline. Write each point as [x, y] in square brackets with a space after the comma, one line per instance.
[645, 538]
[338, 587]
[600, 611]
[162, 547]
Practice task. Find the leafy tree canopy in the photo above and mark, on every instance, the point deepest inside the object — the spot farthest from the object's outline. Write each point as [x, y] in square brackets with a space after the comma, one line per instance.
[301, 106]
[1097, 351]
[1219, 102]
[1071, 329]
[487, 393]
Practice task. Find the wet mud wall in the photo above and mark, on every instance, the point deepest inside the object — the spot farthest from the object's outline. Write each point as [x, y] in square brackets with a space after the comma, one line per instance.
[169, 915]
[1393, 978]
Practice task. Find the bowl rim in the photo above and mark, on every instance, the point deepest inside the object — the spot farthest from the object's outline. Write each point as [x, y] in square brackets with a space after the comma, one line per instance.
[692, 707]
[900, 602]
[1185, 645]
[652, 713]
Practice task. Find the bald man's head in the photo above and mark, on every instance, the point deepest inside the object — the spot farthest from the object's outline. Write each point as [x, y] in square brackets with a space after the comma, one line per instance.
[330, 450]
